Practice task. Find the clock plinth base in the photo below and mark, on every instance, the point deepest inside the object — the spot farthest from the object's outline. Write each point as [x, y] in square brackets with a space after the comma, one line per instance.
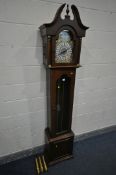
[58, 148]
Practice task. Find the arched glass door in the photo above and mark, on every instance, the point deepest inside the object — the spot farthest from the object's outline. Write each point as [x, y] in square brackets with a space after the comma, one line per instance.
[63, 101]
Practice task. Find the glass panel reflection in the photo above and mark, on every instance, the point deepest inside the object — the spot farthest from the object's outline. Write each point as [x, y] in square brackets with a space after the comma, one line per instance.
[62, 86]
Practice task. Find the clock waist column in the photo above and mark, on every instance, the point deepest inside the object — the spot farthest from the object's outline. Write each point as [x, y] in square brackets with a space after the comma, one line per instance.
[60, 92]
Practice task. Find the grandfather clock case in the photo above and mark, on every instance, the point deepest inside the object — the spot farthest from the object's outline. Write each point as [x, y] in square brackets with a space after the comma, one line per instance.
[61, 56]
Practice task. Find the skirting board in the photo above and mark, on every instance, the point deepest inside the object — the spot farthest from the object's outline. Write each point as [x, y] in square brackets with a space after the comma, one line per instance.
[94, 133]
[21, 154]
[39, 149]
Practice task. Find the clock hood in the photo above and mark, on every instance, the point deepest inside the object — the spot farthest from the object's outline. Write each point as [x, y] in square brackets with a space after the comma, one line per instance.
[58, 22]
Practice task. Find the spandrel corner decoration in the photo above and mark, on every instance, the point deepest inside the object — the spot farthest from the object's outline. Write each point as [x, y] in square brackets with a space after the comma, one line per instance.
[61, 56]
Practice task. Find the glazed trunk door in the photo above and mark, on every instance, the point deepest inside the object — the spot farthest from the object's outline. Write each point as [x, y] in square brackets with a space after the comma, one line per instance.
[62, 104]
[62, 100]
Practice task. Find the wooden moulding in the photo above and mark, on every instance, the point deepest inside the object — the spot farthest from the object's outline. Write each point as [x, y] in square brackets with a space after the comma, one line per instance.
[58, 148]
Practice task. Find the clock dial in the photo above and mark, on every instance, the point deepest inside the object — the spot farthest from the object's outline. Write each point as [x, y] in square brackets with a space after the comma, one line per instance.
[64, 46]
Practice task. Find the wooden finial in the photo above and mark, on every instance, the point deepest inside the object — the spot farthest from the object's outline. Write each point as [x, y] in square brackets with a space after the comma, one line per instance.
[67, 10]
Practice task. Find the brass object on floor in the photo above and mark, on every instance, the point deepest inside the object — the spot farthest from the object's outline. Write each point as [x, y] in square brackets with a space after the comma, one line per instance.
[45, 166]
[37, 166]
[41, 165]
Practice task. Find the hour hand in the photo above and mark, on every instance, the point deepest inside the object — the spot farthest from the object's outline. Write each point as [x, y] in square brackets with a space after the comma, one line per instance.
[62, 52]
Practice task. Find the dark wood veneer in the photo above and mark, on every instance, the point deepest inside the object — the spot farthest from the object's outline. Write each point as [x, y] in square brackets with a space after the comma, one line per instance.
[59, 145]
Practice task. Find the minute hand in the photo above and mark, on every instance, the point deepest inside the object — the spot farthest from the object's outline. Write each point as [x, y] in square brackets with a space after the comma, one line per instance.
[63, 51]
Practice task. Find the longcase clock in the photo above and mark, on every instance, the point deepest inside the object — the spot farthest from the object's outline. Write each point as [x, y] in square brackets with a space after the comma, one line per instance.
[61, 56]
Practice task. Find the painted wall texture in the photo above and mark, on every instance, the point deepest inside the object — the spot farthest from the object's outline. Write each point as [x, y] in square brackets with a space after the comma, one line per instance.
[22, 75]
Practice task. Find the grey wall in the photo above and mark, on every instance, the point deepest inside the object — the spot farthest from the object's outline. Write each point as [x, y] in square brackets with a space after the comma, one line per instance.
[22, 75]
